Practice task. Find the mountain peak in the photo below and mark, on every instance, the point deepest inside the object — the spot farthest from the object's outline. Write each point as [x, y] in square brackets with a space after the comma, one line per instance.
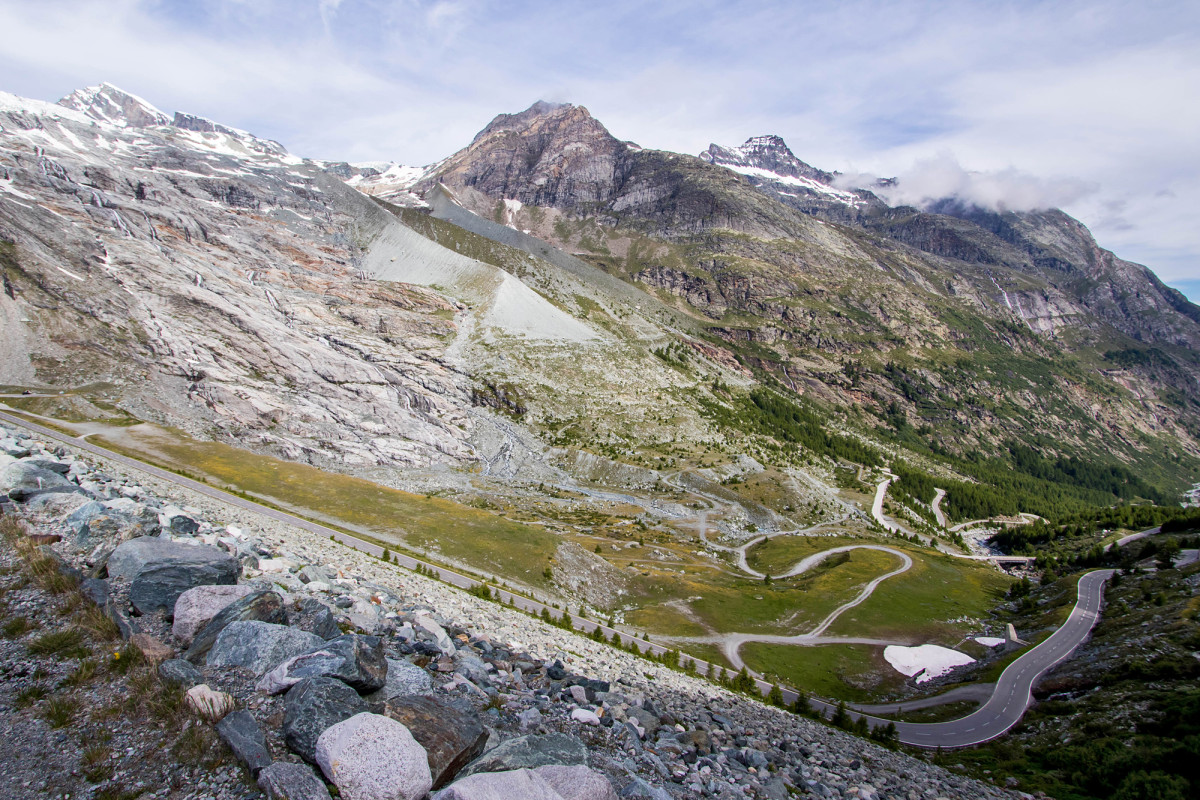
[539, 111]
[111, 104]
[770, 153]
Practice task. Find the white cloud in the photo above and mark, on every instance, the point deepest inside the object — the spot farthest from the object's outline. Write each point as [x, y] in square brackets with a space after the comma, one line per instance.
[942, 177]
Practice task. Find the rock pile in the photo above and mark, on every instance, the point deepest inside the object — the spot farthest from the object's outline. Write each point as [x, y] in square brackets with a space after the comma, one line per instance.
[320, 667]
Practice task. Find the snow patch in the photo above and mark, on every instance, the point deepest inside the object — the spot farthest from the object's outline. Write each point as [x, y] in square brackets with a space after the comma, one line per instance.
[842, 196]
[989, 641]
[926, 661]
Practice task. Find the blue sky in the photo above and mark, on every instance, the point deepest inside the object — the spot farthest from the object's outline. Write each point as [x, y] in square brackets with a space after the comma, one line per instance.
[1089, 106]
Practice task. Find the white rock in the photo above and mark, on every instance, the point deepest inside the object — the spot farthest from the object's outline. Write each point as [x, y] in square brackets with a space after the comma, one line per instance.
[585, 716]
[196, 607]
[443, 639]
[516, 784]
[576, 782]
[317, 586]
[372, 757]
[208, 703]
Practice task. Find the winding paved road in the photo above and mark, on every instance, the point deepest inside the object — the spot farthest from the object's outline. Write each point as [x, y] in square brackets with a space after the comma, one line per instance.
[1008, 702]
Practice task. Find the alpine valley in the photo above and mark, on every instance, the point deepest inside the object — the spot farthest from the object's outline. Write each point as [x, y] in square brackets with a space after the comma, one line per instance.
[724, 399]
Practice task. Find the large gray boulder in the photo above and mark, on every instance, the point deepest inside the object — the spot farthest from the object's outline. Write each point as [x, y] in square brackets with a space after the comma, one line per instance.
[370, 757]
[452, 738]
[135, 556]
[25, 479]
[159, 571]
[404, 678]
[180, 672]
[286, 780]
[355, 660]
[240, 731]
[530, 752]
[313, 705]
[196, 607]
[262, 606]
[258, 646]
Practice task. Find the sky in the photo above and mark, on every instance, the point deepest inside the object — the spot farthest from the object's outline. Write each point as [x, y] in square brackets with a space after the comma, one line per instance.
[1086, 106]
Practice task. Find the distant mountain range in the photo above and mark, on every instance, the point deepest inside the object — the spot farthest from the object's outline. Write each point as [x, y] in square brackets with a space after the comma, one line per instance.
[549, 277]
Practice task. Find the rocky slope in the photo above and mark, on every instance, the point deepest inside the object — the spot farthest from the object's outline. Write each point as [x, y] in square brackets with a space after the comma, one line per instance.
[314, 643]
[799, 278]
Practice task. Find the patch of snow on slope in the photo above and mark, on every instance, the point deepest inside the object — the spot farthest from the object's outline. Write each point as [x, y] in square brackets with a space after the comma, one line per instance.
[989, 641]
[12, 103]
[849, 198]
[926, 661]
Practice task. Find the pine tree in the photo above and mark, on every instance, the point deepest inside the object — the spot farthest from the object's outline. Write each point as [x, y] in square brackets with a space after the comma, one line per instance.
[775, 696]
[801, 705]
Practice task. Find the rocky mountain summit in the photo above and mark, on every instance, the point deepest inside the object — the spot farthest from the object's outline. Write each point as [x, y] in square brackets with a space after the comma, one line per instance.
[316, 665]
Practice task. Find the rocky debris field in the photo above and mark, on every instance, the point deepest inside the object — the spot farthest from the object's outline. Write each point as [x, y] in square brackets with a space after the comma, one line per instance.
[158, 643]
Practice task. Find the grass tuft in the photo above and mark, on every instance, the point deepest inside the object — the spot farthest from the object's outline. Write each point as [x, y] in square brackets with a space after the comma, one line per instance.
[60, 711]
[67, 643]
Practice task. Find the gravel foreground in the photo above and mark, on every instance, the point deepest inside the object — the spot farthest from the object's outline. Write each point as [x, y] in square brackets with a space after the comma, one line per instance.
[647, 730]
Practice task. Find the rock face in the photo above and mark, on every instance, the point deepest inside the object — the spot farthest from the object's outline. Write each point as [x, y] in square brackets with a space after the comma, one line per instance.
[313, 705]
[357, 661]
[261, 606]
[369, 757]
[452, 738]
[243, 348]
[258, 646]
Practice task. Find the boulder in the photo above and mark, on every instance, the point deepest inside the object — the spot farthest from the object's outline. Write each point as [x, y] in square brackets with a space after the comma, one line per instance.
[285, 780]
[356, 660]
[22, 480]
[451, 737]
[95, 590]
[196, 607]
[645, 720]
[577, 782]
[264, 606]
[310, 614]
[135, 556]
[371, 757]
[209, 703]
[640, 789]
[403, 678]
[517, 784]
[530, 752]
[258, 646]
[240, 731]
[159, 570]
[153, 650]
[311, 706]
[444, 643]
[180, 672]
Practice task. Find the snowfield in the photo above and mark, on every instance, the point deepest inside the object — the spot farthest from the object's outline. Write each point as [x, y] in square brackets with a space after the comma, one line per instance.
[926, 661]
[989, 641]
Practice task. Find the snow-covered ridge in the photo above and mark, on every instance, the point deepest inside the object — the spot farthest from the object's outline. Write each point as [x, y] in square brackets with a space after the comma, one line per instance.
[849, 198]
[111, 104]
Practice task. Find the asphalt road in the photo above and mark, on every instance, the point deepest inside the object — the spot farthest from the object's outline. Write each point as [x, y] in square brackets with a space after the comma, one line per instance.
[1014, 689]
[1011, 697]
